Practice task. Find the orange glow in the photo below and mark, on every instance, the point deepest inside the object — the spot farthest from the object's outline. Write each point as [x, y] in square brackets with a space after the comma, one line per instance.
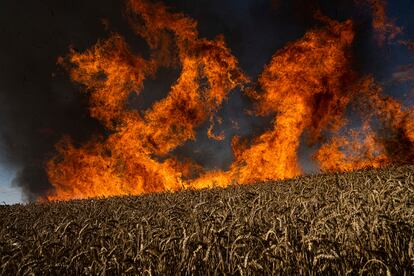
[361, 150]
[306, 87]
[409, 44]
[386, 30]
[210, 132]
[366, 148]
[128, 160]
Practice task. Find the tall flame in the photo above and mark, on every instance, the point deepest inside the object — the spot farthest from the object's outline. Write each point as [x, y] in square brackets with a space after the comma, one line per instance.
[129, 160]
[307, 87]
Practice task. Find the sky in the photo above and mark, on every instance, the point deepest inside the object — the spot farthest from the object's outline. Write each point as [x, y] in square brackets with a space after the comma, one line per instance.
[39, 104]
[8, 193]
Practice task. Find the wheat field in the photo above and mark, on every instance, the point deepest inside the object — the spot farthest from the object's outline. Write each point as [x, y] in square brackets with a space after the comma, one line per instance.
[359, 223]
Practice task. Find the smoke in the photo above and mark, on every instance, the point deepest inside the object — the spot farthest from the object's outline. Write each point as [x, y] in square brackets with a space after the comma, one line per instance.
[38, 102]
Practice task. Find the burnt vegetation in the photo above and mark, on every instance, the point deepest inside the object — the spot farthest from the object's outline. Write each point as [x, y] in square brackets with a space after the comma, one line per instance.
[358, 223]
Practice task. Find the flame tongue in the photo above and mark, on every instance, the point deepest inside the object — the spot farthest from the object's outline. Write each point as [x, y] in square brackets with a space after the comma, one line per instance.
[307, 86]
[365, 148]
[385, 29]
[309, 69]
[124, 163]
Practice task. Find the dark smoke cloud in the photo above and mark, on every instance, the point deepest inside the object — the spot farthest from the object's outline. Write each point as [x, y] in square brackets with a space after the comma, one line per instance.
[39, 104]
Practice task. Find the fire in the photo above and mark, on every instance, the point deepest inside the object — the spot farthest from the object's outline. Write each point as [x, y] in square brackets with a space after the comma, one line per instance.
[385, 29]
[359, 150]
[133, 159]
[392, 144]
[210, 132]
[307, 86]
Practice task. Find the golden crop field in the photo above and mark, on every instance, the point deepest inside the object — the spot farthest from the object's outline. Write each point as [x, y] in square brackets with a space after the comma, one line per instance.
[359, 223]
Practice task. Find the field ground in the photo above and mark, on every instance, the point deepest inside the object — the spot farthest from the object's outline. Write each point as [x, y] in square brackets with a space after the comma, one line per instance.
[359, 223]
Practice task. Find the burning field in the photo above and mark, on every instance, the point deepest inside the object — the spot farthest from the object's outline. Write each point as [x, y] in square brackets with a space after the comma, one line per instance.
[172, 151]
[359, 223]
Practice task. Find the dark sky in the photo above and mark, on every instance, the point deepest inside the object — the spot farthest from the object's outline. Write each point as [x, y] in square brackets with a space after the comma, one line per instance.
[39, 104]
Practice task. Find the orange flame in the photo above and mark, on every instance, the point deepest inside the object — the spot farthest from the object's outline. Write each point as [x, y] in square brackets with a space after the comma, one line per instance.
[210, 132]
[360, 151]
[306, 86]
[386, 30]
[126, 162]
[366, 148]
